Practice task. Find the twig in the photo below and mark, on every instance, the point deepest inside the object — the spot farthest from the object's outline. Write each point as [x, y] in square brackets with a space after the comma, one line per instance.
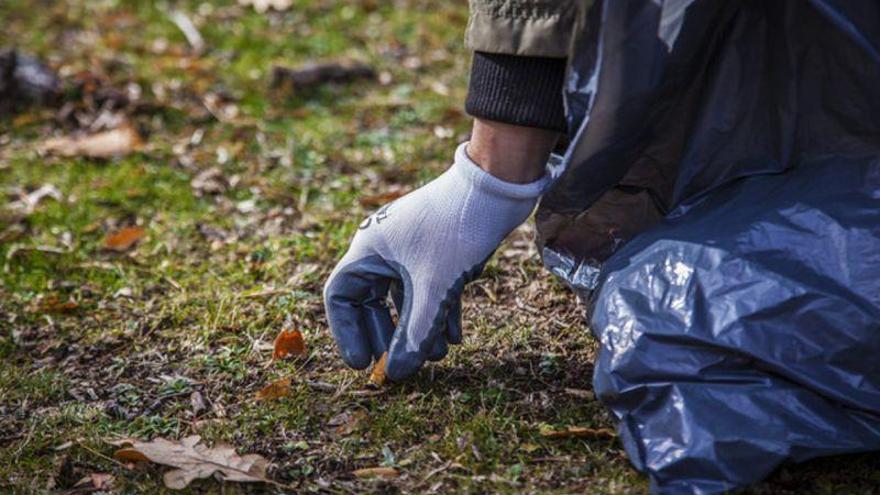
[102, 456]
[173, 283]
[267, 293]
[189, 31]
[9, 438]
[321, 386]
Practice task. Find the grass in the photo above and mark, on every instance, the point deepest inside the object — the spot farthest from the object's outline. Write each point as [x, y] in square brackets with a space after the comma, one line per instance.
[192, 308]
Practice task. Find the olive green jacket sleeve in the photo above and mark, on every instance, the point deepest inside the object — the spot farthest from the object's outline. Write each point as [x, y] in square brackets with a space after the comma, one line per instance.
[537, 28]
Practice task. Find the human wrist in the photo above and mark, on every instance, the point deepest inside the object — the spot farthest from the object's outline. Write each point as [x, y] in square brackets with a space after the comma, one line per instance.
[492, 185]
[512, 153]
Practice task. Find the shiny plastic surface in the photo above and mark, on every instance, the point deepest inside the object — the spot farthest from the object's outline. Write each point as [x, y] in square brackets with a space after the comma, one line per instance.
[724, 177]
[744, 332]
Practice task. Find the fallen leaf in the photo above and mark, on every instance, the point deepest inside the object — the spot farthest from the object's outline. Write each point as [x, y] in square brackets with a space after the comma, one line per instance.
[28, 202]
[194, 460]
[210, 181]
[579, 432]
[124, 239]
[275, 390]
[264, 5]
[315, 74]
[347, 422]
[197, 402]
[116, 142]
[130, 455]
[288, 343]
[95, 481]
[377, 376]
[376, 472]
[52, 304]
[381, 199]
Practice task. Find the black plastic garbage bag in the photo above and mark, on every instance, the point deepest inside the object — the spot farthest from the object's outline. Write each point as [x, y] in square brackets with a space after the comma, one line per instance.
[744, 332]
[720, 208]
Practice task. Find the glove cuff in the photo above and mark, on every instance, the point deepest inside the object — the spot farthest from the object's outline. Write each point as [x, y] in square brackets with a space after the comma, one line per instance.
[490, 184]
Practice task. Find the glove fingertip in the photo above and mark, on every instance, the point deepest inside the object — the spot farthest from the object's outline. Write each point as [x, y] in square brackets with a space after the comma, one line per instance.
[439, 348]
[453, 324]
[356, 359]
[399, 368]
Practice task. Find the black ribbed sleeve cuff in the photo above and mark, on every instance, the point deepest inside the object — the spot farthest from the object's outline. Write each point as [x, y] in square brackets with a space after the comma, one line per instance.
[517, 90]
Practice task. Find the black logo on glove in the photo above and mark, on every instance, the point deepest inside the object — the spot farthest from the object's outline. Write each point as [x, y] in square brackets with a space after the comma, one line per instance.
[379, 216]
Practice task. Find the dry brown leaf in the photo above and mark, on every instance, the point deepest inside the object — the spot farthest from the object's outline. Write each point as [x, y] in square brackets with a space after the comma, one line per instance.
[377, 200]
[347, 423]
[130, 455]
[579, 432]
[124, 239]
[95, 481]
[275, 390]
[264, 5]
[116, 142]
[376, 472]
[52, 304]
[194, 460]
[377, 376]
[287, 343]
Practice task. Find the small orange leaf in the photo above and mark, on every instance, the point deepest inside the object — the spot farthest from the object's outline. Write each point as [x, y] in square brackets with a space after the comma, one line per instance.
[374, 472]
[95, 481]
[131, 455]
[52, 304]
[275, 390]
[347, 422]
[124, 239]
[377, 376]
[287, 343]
[381, 198]
[579, 432]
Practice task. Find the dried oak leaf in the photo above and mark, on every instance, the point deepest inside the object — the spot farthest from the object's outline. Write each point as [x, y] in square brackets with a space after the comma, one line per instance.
[288, 343]
[275, 390]
[579, 432]
[124, 239]
[94, 481]
[376, 472]
[115, 142]
[346, 423]
[377, 376]
[194, 460]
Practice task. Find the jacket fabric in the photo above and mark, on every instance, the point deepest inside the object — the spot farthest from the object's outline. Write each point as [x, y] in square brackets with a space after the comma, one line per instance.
[538, 28]
[520, 54]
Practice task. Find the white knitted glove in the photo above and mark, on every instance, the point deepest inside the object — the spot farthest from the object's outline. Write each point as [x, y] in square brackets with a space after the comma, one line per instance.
[422, 249]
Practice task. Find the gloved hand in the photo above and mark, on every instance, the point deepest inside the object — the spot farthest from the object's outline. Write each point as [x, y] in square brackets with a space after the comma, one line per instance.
[422, 249]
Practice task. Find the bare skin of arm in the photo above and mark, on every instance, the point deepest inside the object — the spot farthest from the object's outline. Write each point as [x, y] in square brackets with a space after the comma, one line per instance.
[510, 152]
